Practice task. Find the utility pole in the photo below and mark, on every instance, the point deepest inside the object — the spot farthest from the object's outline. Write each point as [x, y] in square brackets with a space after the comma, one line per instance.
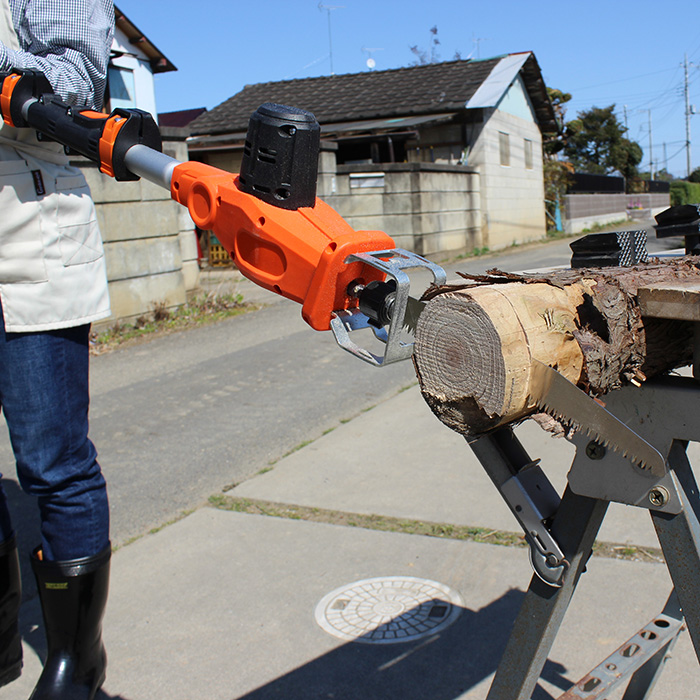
[328, 9]
[651, 157]
[687, 116]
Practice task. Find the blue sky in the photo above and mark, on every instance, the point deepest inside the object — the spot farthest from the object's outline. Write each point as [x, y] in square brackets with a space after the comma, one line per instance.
[621, 52]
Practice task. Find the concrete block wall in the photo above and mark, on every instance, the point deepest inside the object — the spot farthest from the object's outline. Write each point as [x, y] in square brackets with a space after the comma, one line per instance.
[431, 209]
[149, 241]
[584, 211]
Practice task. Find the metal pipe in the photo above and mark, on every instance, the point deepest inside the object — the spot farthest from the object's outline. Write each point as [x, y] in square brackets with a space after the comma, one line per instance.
[151, 165]
[25, 108]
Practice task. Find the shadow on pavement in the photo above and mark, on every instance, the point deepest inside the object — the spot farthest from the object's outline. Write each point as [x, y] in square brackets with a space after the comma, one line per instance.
[25, 521]
[440, 667]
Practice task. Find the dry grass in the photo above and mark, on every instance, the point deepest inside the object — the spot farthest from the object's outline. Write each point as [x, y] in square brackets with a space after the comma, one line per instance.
[202, 310]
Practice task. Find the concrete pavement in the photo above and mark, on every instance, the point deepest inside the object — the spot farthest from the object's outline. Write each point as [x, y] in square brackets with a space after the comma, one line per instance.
[227, 605]
[222, 604]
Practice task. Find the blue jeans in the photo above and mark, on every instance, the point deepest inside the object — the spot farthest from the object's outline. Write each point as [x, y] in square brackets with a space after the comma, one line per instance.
[44, 395]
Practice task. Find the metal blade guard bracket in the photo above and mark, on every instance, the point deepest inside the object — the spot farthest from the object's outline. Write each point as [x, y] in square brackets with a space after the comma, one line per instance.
[394, 264]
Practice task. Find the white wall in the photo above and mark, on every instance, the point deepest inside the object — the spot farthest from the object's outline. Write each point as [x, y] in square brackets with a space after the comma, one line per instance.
[512, 196]
[133, 64]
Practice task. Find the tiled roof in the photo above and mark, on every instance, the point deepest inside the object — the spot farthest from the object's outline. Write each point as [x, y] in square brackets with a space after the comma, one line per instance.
[428, 89]
[180, 118]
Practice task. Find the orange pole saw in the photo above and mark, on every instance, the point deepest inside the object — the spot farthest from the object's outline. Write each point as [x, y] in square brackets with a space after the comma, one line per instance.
[280, 235]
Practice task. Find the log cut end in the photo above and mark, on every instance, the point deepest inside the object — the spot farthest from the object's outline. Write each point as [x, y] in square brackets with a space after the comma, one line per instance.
[461, 367]
[474, 350]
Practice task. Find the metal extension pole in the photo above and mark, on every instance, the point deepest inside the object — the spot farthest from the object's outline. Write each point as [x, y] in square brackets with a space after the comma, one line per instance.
[151, 165]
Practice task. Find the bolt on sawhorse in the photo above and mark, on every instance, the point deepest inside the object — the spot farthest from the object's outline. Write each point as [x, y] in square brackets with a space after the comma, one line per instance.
[561, 532]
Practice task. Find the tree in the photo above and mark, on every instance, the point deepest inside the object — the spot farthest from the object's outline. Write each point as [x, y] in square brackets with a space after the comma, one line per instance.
[555, 143]
[557, 173]
[694, 176]
[598, 145]
[423, 57]
[662, 174]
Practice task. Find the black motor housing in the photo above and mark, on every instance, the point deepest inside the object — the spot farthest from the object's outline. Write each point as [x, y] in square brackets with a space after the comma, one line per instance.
[280, 157]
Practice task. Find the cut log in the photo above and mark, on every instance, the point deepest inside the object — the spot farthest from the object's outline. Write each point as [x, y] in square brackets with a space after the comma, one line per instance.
[475, 341]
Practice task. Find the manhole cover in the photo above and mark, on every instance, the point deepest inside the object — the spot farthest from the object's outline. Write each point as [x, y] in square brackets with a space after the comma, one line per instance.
[388, 610]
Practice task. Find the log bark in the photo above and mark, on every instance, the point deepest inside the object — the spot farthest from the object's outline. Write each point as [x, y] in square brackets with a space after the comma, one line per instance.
[475, 341]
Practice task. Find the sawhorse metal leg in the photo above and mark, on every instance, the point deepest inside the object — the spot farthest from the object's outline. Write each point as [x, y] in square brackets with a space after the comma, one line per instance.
[679, 537]
[575, 526]
[637, 663]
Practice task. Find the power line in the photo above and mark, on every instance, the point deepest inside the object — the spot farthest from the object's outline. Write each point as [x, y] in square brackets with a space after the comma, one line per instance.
[623, 80]
[635, 100]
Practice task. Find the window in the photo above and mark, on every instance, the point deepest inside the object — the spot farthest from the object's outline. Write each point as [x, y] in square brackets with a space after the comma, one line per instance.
[372, 149]
[528, 154]
[121, 86]
[504, 147]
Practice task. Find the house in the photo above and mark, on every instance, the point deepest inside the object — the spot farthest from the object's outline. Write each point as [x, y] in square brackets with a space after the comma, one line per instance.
[149, 240]
[133, 61]
[445, 157]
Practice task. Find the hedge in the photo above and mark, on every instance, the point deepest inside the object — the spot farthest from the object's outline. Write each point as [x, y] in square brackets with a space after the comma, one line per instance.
[684, 192]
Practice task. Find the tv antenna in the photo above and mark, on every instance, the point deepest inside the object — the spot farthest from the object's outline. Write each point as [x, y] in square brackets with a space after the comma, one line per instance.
[477, 44]
[371, 63]
[329, 9]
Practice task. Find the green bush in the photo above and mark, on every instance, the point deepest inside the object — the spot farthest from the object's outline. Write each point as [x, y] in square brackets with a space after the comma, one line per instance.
[684, 192]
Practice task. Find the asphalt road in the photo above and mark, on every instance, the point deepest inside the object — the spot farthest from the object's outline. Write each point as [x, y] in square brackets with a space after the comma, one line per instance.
[180, 417]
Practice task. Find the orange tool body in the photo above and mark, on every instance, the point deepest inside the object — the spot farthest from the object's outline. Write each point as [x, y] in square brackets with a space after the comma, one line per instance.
[299, 254]
[280, 235]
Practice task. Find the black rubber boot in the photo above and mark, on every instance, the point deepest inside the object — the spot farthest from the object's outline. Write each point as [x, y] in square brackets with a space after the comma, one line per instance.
[73, 596]
[10, 600]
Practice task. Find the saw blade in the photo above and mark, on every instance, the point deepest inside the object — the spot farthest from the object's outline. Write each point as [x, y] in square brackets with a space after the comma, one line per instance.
[556, 395]
[414, 309]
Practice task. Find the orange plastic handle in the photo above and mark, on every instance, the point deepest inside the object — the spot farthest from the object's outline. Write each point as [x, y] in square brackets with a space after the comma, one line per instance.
[8, 87]
[299, 254]
[110, 131]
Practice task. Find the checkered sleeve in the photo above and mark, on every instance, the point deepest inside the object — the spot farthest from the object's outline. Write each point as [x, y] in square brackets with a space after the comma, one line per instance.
[69, 41]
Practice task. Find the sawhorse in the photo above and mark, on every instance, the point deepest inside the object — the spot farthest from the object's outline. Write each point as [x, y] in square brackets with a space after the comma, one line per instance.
[561, 534]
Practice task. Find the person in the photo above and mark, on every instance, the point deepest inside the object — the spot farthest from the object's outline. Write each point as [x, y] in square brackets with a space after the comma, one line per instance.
[52, 287]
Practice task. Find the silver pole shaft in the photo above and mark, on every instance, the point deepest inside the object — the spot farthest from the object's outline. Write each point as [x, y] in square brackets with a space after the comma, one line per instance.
[151, 165]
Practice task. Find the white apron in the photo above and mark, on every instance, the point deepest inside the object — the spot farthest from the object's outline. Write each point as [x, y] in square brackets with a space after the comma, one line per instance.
[52, 269]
